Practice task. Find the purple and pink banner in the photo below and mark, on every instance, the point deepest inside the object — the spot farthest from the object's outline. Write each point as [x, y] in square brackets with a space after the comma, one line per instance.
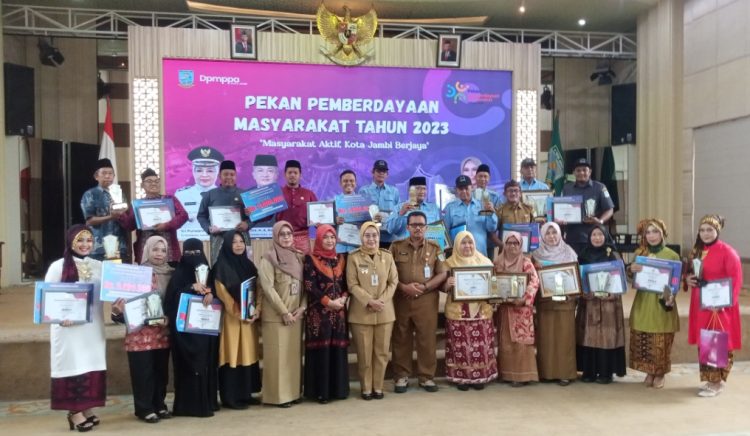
[426, 122]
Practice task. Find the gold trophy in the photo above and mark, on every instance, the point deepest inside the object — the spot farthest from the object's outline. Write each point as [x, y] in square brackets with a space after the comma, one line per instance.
[111, 248]
[413, 196]
[118, 205]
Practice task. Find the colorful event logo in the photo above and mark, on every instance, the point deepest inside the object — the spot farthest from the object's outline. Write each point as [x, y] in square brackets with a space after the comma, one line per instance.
[468, 93]
[187, 78]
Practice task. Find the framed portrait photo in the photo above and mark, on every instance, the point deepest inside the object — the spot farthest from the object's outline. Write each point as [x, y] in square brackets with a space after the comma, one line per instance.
[449, 51]
[243, 42]
[560, 280]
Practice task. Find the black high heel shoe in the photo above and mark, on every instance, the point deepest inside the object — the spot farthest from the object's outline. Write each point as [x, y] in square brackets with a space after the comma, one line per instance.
[82, 427]
[93, 419]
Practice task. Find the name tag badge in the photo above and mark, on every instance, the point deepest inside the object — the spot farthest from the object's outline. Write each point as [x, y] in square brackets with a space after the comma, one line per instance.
[427, 272]
[374, 280]
[294, 288]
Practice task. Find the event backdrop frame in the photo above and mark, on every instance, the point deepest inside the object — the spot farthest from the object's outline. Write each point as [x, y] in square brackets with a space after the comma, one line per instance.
[149, 45]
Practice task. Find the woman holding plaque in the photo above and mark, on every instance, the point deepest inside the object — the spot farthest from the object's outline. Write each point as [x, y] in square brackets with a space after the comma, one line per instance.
[239, 373]
[372, 279]
[77, 352]
[193, 355]
[556, 330]
[148, 347]
[516, 358]
[469, 334]
[600, 324]
[712, 260]
[326, 332]
[282, 318]
[653, 321]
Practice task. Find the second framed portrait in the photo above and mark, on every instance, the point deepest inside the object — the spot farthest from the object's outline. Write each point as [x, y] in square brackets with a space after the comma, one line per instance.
[243, 42]
[449, 51]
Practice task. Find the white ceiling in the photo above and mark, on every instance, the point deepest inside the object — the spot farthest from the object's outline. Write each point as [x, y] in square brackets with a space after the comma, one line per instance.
[600, 15]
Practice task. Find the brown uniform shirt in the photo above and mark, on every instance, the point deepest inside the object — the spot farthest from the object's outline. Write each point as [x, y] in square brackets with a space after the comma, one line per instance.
[411, 260]
[520, 213]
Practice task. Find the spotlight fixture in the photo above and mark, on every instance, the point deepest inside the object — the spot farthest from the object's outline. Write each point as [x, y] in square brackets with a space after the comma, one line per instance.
[547, 99]
[522, 9]
[603, 74]
[49, 55]
[581, 22]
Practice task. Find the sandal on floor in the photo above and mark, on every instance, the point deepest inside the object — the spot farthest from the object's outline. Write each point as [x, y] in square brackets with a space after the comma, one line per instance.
[151, 418]
[82, 427]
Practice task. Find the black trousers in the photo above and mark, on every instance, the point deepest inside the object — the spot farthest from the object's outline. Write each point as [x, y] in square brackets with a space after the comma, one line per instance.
[236, 385]
[149, 375]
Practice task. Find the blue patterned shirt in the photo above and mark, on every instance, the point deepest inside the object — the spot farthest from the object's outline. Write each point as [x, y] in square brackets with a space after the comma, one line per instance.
[95, 203]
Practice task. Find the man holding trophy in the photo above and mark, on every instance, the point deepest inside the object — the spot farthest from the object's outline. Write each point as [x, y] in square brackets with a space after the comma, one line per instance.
[478, 217]
[396, 222]
[597, 207]
[102, 206]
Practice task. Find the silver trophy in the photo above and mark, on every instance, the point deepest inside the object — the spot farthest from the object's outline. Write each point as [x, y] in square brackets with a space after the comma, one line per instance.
[118, 205]
[590, 207]
[540, 206]
[559, 290]
[201, 274]
[602, 283]
[154, 310]
[375, 214]
[111, 247]
[482, 195]
[698, 268]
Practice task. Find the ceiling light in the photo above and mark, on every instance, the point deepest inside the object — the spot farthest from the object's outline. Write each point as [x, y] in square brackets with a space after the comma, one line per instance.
[522, 9]
[581, 22]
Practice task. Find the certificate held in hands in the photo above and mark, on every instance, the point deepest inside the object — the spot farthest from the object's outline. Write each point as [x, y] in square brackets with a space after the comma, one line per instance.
[58, 302]
[717, 294]
[150, 212]
[320, 212]
[656, 274]
[264, 201]
[224, 217]
[122, 280]
[194, 317]
[348, 234]
[354, 208]
[568, 209]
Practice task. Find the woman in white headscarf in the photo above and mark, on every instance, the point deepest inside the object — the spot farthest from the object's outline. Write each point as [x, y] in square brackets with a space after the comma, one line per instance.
[555, 320]
[469, 344]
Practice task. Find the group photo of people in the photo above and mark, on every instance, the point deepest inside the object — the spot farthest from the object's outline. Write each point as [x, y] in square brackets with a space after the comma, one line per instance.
[376, 286]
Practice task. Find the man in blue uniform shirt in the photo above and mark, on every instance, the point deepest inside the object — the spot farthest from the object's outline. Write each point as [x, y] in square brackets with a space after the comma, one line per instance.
[576, 235]
[464, 210]
[396, 222]
[529, 182]
[385, 196]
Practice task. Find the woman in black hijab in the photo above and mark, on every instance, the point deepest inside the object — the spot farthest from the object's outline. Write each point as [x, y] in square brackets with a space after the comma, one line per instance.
[600, 332]
[239, 375]
[193, 355]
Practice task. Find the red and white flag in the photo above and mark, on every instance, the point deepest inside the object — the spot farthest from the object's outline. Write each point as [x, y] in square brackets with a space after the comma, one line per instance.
[107, 149]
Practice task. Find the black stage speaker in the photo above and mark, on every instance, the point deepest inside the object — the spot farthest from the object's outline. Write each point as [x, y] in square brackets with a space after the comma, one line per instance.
[19, 100]
[623, 114]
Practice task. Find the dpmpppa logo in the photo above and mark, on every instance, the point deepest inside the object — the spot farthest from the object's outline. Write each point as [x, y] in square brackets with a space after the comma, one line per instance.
[468, 93]
[187, 78]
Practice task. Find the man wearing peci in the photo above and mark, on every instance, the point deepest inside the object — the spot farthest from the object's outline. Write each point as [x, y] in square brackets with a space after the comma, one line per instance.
[96, 205]
[594, 193]
[482, 190]
[227, 194]
[396, 222]
[205, 161]
[385, 196]
[296, 198]
[464, 211]
[421, 273]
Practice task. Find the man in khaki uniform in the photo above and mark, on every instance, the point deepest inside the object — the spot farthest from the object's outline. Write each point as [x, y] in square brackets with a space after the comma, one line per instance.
[372, 279]
[513, 211]
[421, 272]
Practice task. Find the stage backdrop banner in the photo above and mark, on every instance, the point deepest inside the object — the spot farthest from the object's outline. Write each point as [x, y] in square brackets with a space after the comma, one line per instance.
[423, 122]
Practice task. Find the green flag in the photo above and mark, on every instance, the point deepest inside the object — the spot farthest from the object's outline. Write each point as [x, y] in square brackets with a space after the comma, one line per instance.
[555, 164]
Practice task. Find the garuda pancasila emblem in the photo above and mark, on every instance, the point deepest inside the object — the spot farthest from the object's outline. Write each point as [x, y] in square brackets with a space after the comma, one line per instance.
[348, 41]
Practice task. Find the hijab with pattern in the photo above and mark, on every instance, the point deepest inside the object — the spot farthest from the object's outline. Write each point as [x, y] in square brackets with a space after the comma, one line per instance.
[560, 253]
[318, 249]
[70, 271]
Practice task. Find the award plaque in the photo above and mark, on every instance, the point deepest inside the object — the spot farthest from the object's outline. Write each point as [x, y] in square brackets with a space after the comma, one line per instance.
[538, 201]
[413, 196]
[604, 278]
[111, 247]
[560, 281]
[590, 206]
[118, 205]
[201, 274]
[154, 310]
[698, 268]
[484, 197]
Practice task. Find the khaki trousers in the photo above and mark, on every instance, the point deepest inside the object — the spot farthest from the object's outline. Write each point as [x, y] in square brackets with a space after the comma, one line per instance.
[372, 343]
[416, 320]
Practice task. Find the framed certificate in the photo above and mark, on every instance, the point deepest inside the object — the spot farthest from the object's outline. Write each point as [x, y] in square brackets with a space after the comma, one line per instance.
[437, 232]
[509, 286]
[224, 217]
[122, 280]
[560, 280]
[348, 234]
[248, 298]
[568, 209]
[137, 311]
[717, 294]
[263, 201]
[58, 302]
[656, 274]
[473, 283]
[320, 212]
[150, 212]
[194, 317]
[537, 200]
[604, 277]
